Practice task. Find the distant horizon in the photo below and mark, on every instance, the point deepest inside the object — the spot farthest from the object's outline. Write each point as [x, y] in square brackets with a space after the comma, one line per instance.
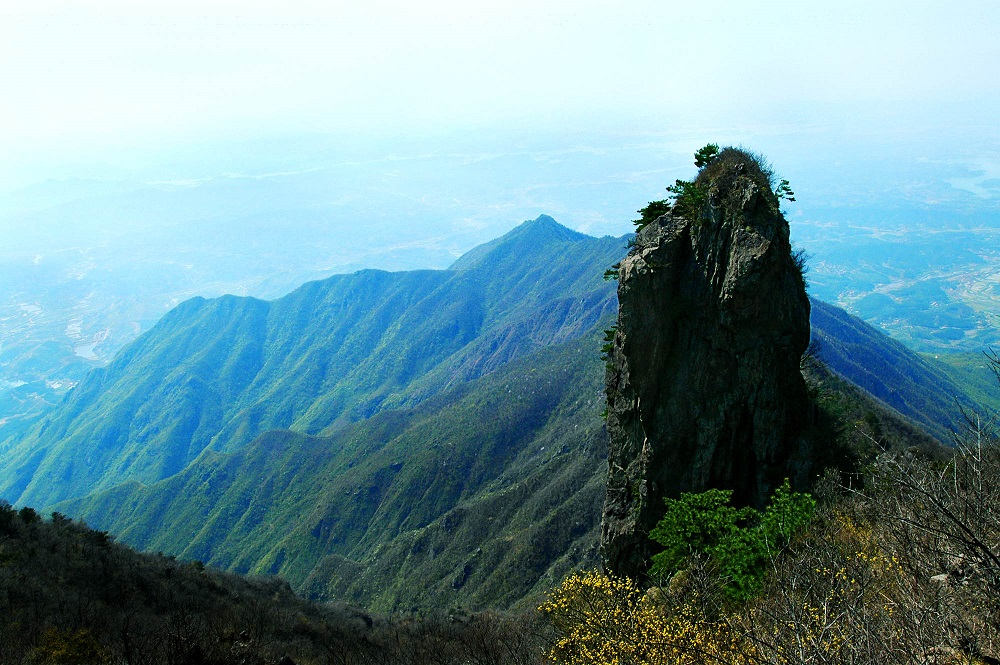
[113, 90]
[833, 162]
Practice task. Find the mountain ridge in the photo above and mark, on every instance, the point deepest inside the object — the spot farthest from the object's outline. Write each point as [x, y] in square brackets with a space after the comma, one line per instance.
[529, 235]
[215, 373]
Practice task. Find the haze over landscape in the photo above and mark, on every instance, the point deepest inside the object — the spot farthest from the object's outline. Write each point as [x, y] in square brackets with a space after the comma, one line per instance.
[209, 148]
[356, 432]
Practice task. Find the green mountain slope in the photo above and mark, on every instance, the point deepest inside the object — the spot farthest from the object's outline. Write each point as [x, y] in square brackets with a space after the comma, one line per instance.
[975, 374]
[919, 387]
[494, 487]
[214, 374]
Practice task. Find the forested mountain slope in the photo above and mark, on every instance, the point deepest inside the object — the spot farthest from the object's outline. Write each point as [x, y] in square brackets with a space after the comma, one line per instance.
[476, 497]
[916, 386]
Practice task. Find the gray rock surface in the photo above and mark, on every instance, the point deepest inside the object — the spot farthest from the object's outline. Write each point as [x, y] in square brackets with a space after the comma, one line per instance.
[703, 383]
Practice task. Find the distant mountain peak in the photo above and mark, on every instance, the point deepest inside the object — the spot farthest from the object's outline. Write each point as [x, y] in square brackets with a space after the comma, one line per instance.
[542, 220]
[543, 224]
[527, 236]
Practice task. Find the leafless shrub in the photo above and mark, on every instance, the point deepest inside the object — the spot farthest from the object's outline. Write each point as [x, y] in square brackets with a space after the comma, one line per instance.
[751, 164]
[902, 567]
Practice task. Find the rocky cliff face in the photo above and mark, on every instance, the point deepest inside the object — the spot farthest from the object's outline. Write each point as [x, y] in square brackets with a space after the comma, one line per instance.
[703, 381]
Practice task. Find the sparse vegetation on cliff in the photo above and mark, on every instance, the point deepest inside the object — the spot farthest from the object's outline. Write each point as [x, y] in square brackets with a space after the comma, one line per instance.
[652, 210]
[688, 197]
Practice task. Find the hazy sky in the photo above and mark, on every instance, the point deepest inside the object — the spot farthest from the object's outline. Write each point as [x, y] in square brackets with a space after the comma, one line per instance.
[90, 77]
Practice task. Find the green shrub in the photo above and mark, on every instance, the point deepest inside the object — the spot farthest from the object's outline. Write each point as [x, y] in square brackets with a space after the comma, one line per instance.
[653, 210]
[706, 155]
[688, 198]
[739, 542]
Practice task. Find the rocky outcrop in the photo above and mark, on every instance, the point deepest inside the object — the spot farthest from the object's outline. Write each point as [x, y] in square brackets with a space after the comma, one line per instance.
[703, 381]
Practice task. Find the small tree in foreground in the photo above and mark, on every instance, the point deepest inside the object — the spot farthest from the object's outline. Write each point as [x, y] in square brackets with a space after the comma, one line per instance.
[739, 542]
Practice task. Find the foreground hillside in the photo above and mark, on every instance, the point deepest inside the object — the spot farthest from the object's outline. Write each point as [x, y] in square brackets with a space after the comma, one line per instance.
[401, 440]
[71, 595]
[900, 566]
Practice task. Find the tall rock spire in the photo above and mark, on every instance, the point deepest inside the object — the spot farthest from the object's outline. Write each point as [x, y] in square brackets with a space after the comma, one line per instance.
[703, 381]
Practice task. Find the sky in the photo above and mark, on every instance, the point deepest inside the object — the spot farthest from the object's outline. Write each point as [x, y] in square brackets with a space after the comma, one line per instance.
[94, 79]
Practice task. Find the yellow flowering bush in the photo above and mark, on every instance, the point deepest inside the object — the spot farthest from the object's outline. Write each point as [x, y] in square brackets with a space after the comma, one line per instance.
[608, 620]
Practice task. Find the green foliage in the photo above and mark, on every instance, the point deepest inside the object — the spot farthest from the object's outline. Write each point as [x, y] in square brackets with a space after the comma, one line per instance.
[786, 515]
[609, 342]
[652, 211]
[738, 541]
[612, 272]
[694, 524]
[784, 191]
[688, 199]
[706, 155]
